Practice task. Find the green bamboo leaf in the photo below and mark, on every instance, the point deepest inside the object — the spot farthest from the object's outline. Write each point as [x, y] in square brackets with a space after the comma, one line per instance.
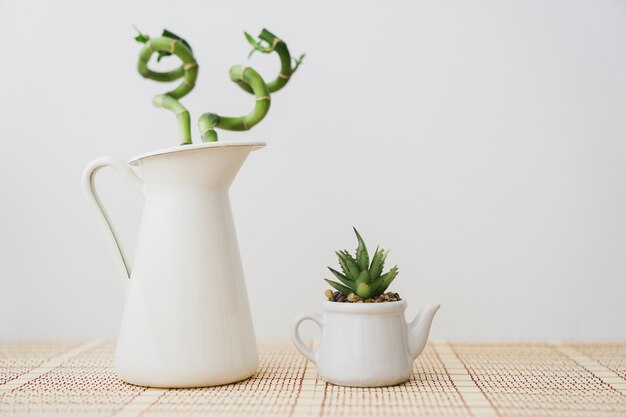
[166, 33]
[341, 277]
[141, 37]
[297, 62]
[172, 35]
[341, 288]
[251, 40]
[255, 44]
[362, 256]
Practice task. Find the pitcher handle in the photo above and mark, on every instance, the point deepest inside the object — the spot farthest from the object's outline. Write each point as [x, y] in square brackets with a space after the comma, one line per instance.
[295, 335]
[131, 177]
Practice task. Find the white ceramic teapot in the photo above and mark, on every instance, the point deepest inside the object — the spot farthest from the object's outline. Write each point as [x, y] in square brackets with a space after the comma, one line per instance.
[366, 344]
[186, 320]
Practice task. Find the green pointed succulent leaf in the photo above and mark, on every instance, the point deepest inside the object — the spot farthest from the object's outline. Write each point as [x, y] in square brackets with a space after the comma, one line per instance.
[341, 288]
[364, 276]
[353, 266]
[375, 261]
[386, 279]
[341, 277]
[378, 263]
[362, 256]
[376, 288]
[342, 262]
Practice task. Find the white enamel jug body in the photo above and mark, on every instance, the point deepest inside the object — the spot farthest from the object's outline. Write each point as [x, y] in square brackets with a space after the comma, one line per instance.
[186, 320]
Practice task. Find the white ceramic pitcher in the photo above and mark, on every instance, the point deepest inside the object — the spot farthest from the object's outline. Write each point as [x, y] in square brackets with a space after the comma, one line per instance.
[186, 320]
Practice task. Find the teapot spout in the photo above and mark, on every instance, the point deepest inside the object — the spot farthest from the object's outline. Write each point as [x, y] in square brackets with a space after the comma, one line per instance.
[419, 328]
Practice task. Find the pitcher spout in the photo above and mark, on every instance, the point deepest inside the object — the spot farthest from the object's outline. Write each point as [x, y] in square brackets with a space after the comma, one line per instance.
[419, 328]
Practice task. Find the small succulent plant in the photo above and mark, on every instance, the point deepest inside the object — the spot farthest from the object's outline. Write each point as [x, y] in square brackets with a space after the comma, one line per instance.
[359, 276]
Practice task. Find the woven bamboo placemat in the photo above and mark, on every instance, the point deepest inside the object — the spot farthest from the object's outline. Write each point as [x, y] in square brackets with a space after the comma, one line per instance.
[52, 379]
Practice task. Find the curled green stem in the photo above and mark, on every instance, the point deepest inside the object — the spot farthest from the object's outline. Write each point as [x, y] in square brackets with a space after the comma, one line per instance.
[280, 47]
[240, 75]
[247, 78]
[182, 115]
[188, 71]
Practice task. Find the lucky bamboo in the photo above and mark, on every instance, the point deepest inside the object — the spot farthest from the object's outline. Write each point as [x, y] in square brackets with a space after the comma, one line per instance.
[247, 78]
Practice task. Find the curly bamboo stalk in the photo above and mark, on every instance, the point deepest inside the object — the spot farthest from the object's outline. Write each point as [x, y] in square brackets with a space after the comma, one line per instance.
[239, 74]
[182, 115]
[250, 81]
[188, 71]
[280, 47]
[247, 78]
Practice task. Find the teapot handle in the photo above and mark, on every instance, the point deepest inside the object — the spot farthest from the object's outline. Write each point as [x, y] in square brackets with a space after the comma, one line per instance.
[295, 335]
[131, 177]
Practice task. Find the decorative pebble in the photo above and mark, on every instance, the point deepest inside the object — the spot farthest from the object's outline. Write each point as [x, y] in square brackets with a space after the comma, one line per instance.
[353, 298]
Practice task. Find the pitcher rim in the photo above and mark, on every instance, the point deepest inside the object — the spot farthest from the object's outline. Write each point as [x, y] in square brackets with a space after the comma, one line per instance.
[196, 146]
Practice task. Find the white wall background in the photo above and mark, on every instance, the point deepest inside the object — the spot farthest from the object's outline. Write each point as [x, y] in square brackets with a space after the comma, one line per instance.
[483, 142]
